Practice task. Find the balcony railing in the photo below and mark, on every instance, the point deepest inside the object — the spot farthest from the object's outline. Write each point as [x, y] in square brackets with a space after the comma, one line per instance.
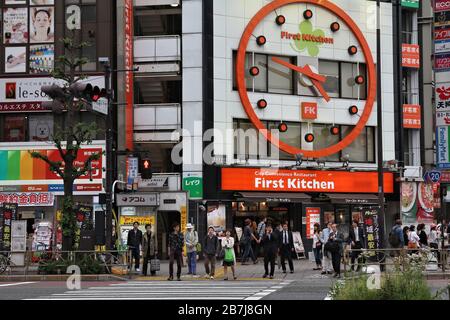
[157, 49]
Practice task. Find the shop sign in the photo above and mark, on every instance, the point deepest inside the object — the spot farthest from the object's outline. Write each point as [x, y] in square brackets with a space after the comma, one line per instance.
[312, 217]
[193, 184]
[441, 5]
[308, 39]
[138, 200]
[411, 55]
[417, 202]
[442, 19]
[443, 147]
[155, 182]
[309, 110]
[129, 220]
[410, 4]
[132, 171]
[129, 76]
[443, 96]
[412, 118]
[44, 199]
[442, 118]
[445, 176]
[260, 179]
[442, 62]
[9, 213]
[372, 228]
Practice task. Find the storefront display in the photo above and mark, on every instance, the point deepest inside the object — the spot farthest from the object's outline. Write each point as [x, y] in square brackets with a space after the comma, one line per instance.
[216, 217]
[42, 238]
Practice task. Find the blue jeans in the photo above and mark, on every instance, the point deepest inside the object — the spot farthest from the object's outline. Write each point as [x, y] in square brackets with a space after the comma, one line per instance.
[248, 252]
[318, 256]
[192, 262]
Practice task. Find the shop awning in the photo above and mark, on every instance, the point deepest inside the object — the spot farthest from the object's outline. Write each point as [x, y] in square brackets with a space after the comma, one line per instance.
[352, 198]
[285, 197]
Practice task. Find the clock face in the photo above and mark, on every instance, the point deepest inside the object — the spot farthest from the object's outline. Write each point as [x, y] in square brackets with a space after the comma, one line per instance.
[308, 75]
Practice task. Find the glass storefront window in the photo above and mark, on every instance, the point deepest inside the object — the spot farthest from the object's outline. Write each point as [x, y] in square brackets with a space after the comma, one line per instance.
[325, 139]
[363, 148]
[330, 69]
[280, 77]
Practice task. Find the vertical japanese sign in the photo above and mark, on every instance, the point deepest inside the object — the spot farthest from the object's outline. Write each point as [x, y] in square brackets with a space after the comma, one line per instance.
[372, 228]
[443, 147]
[441, 35]
[411, 55]
[129, 78]
[312, 217]
[132, 171]
[412, 118]
[9, 214]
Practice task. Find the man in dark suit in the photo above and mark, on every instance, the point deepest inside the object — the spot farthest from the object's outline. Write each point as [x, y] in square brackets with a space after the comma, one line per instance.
[337, 239]
[134, 242]
[286, 248]
[357, 241]
[269, 243]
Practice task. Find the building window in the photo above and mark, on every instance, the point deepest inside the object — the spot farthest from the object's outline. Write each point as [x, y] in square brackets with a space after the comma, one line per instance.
[363, 148]
[349, 89]
[330, 69]
[324, 139]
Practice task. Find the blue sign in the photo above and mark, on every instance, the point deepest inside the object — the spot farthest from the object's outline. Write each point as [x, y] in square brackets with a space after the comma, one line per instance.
[433, 176]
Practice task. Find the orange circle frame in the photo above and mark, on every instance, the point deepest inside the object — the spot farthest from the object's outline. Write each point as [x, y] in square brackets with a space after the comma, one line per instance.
[242, 88]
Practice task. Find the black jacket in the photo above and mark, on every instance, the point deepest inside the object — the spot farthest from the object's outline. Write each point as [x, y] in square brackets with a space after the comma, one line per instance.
[290, 244]
[211, 245]
[339, 239]
[270, 244]
[362, 236]
[134, 238]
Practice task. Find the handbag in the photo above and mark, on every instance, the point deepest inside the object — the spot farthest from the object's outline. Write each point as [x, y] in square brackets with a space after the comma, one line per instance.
[229, 256]
[198, 247]
[155, 265]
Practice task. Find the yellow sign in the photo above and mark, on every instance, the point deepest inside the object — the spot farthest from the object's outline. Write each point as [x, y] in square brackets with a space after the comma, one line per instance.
[58, 216]
[129, 220]
[183, 218]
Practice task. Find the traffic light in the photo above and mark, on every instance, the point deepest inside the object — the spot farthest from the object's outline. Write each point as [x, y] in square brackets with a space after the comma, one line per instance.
[146, 169]
[87, 92]
[57, 94]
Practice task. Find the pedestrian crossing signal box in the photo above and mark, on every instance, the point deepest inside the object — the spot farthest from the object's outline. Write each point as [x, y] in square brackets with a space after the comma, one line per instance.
[146, 169]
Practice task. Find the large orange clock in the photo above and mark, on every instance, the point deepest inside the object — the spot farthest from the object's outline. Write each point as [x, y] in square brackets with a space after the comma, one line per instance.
[316, 79]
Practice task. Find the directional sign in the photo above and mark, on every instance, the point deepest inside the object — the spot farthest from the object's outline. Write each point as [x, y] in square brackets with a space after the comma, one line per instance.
[433, 176]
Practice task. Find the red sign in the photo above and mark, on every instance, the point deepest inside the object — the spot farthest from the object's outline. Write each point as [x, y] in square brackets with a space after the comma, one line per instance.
[312, 217]
[83, 155]
[129, 78]
[411, 55]
[412, 116]
[442, 34]
[445, 176]
[441, 5]
[21, 106]
[309, 110]
[256, 179]
[43, 199]
[442, 62]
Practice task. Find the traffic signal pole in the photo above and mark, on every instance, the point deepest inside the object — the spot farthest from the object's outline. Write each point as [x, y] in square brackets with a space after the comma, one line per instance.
[109, 156]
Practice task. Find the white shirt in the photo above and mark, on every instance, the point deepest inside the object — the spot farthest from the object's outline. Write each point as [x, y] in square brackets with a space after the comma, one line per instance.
[433, 238]
[316, 238]
[413, 237]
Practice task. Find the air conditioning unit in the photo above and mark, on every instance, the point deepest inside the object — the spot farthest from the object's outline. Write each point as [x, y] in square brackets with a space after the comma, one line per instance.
[413, 172]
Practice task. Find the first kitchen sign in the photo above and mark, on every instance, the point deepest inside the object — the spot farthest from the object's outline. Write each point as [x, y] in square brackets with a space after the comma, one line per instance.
[234, 179]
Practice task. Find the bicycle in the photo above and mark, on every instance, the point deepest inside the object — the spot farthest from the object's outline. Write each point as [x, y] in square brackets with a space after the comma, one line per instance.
[5, 262]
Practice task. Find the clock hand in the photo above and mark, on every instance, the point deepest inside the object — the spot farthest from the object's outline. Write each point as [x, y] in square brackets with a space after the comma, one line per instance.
[319, 87]
[304, 70]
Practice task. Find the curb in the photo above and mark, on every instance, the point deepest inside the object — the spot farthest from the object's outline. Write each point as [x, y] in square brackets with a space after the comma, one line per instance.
[98, 277]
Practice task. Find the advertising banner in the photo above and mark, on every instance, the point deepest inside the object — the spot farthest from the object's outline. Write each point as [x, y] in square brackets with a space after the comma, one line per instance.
[236, 179]
[9, 214]
[417, 202]
[15, 25]
[129, 77]
[443, 96]
[312, 217]
[410, 55]
[443, 147]
[34, 199]
[442, 19]
[217, 217]
[441, 5]
[193, 184]
[412, 118]
[442, 62]
[373, 230]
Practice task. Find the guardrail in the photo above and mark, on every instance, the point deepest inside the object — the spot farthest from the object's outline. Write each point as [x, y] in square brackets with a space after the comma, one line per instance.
[398, 259]
[63, 263]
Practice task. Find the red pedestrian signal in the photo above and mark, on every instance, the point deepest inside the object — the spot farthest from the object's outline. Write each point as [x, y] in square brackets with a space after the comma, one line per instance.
[146, 169]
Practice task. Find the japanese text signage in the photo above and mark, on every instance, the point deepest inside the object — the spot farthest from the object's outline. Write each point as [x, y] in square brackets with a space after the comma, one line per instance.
[129, 79]
[441, 5]
[411, 55]
[193, 184]
[312, 217]
[372, 228]
[442, 40]
[9, 214]
[41, 199]
[138, 200]
[412, 116]
[411, 4]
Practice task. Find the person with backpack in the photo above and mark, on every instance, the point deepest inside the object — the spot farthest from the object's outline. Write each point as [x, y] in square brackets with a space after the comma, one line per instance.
[396, 239]
[210, 250]
[191, 240]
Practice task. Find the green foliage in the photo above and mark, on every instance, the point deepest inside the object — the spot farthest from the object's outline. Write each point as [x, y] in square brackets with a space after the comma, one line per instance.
[68, 221]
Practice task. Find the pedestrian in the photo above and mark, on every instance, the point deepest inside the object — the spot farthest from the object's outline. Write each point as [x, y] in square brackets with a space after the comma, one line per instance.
[229, 259]
[260, 231]
[246, 240]
[191, 239]
[326, 266]
[396, 239]
[149, 248]
[134, 244]
[270, 243]
[434, 242]
[335, 242]
[405, 236]
[423, 238]
[357, 243]
[211, 250]
[287, 248]
[176, 243]
[413, 239]
[254, 227]
[317, 247]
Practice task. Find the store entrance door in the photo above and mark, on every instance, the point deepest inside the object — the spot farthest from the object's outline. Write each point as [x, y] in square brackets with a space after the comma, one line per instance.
[165, 221]
[342, 215]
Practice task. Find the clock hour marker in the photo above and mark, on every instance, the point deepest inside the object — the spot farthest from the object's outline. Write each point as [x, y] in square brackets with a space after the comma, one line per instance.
[335, 26]
[280, 20]
[352, 50]
[359, 80]
[254, 71]
[261, 40]
[334, 130]
[353, 110]
[308, 14]
[309, 138]
[262, 104]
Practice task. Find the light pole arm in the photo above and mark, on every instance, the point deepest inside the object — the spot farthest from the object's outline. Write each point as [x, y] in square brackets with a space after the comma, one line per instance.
[113, 196]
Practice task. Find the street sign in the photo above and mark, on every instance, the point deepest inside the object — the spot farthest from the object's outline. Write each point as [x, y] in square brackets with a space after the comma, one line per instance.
[433, 176]
[101, 106]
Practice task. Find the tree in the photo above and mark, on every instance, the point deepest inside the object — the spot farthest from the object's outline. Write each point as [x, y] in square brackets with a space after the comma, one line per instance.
[68, 140]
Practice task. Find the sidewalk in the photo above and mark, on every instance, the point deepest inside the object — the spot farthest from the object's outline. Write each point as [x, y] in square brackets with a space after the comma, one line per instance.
[253, 272]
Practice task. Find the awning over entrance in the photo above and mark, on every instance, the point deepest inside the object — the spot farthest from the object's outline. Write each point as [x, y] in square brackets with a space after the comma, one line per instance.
[352, 198]
[285, 197]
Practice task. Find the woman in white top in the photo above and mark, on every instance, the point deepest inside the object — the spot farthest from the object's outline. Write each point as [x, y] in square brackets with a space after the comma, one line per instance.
[413, 238]
[228, 246]
[317, 247]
